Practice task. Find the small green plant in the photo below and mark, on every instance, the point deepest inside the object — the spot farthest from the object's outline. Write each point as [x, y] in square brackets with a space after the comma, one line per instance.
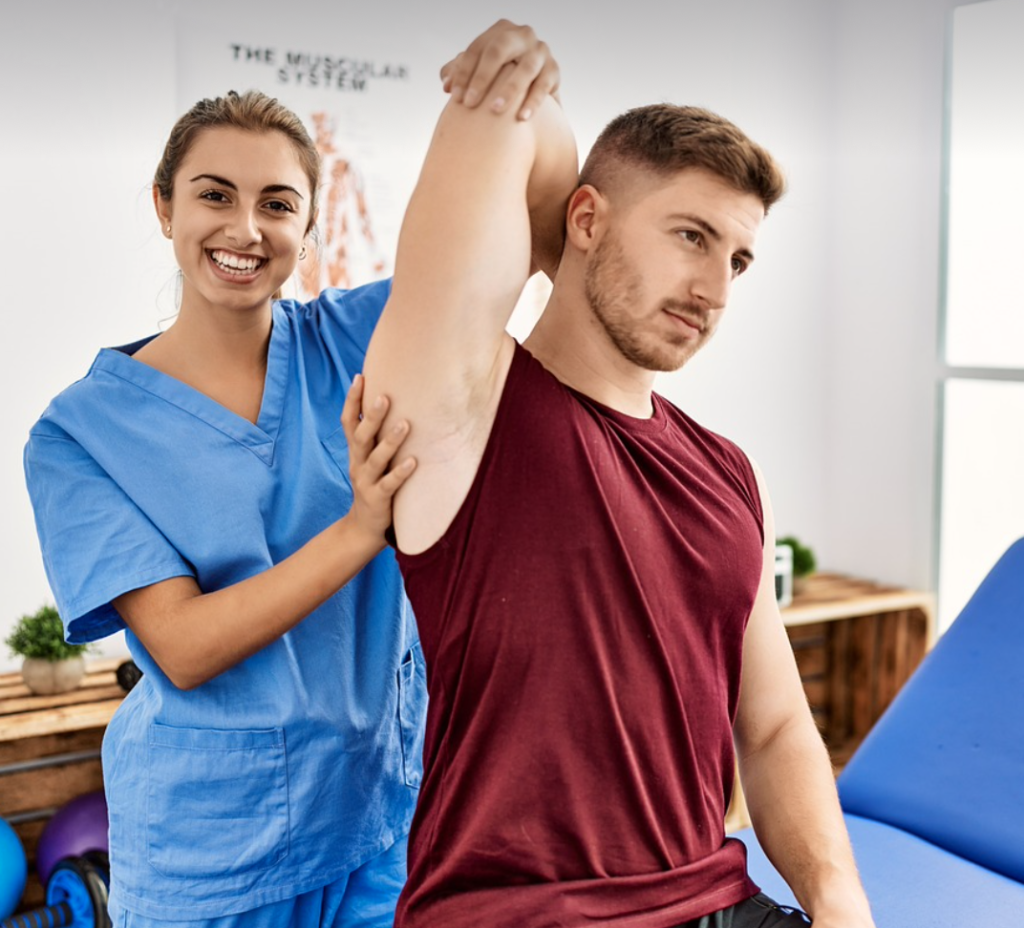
[804, 561]
[41, 636]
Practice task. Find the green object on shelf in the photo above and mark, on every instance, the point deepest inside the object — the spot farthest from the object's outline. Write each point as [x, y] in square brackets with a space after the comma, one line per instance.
[804, 562]
[40, 636]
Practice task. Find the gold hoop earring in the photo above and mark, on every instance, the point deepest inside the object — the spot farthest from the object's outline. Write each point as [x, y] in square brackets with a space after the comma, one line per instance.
[302, 253]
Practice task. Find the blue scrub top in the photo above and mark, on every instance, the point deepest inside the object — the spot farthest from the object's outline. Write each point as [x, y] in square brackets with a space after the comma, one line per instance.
[302, 762]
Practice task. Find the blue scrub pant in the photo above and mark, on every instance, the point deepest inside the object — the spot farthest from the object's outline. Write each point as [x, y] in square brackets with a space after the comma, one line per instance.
[364, 898]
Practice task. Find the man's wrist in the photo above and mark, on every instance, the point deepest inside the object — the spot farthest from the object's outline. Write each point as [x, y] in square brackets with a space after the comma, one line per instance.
[841, 905]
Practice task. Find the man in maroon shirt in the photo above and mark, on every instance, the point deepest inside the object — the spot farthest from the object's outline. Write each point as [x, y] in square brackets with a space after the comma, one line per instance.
[592, 571]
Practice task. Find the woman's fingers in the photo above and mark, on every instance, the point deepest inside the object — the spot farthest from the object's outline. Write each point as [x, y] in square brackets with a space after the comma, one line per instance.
[479, 73]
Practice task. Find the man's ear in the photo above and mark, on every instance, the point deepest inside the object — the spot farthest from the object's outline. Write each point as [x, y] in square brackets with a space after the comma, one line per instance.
[585, 216]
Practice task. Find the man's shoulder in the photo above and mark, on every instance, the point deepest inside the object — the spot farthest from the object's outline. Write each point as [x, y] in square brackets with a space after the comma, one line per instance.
[722, 448]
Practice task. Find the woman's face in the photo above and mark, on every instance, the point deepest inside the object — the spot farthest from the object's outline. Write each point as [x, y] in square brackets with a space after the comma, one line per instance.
[238, 217]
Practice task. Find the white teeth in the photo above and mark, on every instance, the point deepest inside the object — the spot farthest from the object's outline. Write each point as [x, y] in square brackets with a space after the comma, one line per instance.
[234, 263]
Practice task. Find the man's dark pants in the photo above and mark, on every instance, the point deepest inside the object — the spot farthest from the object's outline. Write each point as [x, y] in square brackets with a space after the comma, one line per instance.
[756, 912]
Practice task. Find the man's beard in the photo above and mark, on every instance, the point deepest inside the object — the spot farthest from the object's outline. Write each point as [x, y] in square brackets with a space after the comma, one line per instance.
[611, 287]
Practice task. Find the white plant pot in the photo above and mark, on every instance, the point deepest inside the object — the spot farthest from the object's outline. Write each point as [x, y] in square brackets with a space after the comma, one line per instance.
[44, 678]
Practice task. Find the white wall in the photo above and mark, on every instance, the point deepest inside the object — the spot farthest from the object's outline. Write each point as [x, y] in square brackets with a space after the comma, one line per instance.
[884, 286]
[823, 370]
[88, 105]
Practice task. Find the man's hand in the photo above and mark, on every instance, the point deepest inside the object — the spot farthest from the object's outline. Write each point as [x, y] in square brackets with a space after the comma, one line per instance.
[479, 73]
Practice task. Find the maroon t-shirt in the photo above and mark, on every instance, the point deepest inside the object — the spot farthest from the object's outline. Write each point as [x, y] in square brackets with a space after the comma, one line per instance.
[582, 621]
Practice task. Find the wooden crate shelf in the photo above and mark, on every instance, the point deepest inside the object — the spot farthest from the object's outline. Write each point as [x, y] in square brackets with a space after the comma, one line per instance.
[50, 752]
[856, 643]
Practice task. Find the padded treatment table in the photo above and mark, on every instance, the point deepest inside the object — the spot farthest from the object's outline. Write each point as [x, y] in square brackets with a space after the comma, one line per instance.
[934, 796]
[911, 883]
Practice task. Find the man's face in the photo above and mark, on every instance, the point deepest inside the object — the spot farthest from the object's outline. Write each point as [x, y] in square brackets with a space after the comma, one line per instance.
[659, 277]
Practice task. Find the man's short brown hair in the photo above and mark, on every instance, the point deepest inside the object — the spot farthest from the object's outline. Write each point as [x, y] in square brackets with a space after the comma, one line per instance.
[665, 138]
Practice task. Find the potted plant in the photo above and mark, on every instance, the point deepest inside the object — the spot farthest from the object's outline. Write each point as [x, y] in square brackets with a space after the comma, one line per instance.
[804, 561]
[50, 664]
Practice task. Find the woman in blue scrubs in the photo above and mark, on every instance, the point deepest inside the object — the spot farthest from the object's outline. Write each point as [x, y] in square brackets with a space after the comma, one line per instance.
[196, 490]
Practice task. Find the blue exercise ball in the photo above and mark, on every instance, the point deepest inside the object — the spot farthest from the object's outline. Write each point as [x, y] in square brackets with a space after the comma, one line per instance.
[13, 869]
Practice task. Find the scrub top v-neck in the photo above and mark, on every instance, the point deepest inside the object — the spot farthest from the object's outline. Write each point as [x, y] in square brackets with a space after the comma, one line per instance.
[259, 437]
[303, 761]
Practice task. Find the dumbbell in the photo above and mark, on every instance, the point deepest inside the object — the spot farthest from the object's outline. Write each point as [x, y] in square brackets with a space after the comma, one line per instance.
[76, 895]
[128, 674]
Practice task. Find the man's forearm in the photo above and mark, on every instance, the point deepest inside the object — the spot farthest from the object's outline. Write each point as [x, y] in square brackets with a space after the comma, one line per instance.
[790, 791]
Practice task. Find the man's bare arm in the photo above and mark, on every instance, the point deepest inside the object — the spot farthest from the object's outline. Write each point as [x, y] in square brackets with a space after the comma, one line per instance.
[492, 188]
[786, 771]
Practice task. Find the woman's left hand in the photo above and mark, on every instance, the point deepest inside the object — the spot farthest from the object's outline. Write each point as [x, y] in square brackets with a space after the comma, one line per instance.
[372, 466]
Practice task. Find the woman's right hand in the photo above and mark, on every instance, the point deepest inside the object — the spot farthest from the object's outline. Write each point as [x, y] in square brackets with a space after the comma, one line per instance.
[479, 72]
[375, 474]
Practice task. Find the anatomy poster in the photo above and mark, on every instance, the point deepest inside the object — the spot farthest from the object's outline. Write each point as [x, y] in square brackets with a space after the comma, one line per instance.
[369, 99]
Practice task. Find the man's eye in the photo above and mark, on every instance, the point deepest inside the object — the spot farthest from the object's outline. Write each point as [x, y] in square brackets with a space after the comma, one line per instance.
[738, 266]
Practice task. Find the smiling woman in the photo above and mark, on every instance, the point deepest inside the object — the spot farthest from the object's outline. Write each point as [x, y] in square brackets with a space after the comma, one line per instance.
[195, 490]
[238, 207]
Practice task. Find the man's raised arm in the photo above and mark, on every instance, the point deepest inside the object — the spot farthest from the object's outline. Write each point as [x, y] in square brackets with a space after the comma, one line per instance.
[487, 209]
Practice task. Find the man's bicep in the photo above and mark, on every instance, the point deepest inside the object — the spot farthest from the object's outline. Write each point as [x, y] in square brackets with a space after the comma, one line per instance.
[440, 351]
[770, 689]
[463, 258]
[464, 254]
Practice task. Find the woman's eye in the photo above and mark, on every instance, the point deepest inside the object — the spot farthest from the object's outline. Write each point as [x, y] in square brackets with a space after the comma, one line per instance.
[692, 235]
[280, 206]
[214, 196]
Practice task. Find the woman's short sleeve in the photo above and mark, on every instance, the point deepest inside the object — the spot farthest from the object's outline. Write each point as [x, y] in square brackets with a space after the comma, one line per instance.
[347, 319]
[96, 543]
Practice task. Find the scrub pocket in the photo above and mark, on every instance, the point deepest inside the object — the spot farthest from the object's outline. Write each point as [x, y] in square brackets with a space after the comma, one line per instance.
[217, 801]
[412, 712]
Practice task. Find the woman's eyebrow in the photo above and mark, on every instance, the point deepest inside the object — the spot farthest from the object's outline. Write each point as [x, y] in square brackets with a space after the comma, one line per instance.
[224, 182]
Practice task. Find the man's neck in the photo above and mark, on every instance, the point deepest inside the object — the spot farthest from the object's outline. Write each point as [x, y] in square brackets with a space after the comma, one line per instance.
[575, 348]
